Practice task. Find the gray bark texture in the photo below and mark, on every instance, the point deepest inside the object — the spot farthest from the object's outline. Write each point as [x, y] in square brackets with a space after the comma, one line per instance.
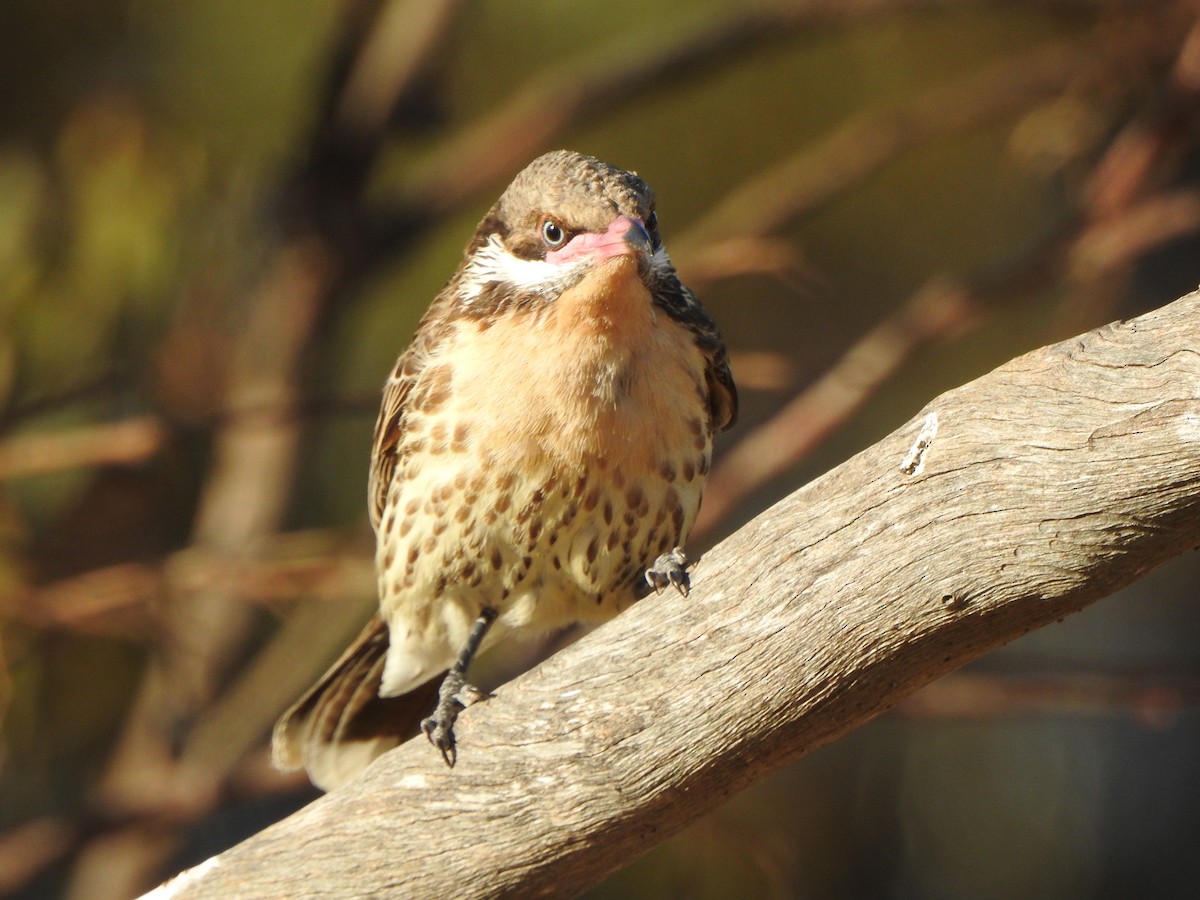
[1002, 506]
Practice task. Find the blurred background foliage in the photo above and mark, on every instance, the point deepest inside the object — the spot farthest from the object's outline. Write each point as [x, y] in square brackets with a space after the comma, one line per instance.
[220, 222]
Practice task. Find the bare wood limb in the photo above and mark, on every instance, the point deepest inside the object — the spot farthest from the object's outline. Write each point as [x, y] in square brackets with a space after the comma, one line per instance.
[1047, 484]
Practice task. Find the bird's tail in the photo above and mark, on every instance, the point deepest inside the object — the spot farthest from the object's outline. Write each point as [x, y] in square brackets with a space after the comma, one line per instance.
[341, 723]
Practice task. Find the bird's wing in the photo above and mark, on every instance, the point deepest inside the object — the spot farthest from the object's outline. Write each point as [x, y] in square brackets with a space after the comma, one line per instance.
[389, 427]
[681, 304]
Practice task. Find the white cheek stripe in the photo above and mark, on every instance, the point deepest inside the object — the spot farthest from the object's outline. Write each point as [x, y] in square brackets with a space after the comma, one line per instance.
[493, 264]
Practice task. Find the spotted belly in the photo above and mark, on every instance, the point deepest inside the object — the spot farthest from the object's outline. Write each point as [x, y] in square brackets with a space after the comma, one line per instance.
[561, 547]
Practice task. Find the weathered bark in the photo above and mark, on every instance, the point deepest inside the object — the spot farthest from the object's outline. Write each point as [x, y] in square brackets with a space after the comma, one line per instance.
[1048, 484]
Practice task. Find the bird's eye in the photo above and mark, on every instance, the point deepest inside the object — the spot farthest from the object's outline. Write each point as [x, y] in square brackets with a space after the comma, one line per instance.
[553, 234]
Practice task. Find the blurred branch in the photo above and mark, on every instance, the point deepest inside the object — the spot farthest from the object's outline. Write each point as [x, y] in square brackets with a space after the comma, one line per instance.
[233, 725]
[398, 48]
[1186, 75]
[118, 443]
[532, 117]
[864, 143]
[29, 849]
[124, 599]
[89, 389]
[1120, 240]
[1153, 700]
[1048, 484]
[1128, 164]
[136, 440]
[308, 250]
[737, 257]
[102, 601]
[1127, 208]
[529, 119]
[243, 501]
[1139, 153]
[763, 370]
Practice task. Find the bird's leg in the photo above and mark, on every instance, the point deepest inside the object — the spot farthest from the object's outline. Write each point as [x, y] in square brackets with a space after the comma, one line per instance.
[456, 694]
[670, 569]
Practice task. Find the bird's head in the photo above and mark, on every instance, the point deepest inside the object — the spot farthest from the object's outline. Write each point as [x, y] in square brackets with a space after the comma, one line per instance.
[562, 216]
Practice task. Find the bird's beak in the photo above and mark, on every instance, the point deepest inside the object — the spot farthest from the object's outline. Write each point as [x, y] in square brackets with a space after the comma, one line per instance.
[625, 236]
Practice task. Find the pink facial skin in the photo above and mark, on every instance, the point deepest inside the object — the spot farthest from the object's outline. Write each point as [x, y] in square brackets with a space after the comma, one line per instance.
[625, 236]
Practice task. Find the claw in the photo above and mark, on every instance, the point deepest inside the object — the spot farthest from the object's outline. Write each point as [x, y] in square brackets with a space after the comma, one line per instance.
[669, 570]
[441, 736]
[455, 695]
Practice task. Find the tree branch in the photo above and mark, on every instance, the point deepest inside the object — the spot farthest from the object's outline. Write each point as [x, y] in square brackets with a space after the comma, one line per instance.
[1045, 485]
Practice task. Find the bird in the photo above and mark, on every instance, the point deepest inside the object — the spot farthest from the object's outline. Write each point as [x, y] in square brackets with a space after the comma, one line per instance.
[538, 460]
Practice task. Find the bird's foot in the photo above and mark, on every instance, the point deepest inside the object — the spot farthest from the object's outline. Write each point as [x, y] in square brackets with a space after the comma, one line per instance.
[455, 695]
[669, 570]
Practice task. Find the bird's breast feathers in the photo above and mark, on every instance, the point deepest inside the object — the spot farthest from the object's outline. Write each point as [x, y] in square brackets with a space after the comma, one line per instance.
[597, 371]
